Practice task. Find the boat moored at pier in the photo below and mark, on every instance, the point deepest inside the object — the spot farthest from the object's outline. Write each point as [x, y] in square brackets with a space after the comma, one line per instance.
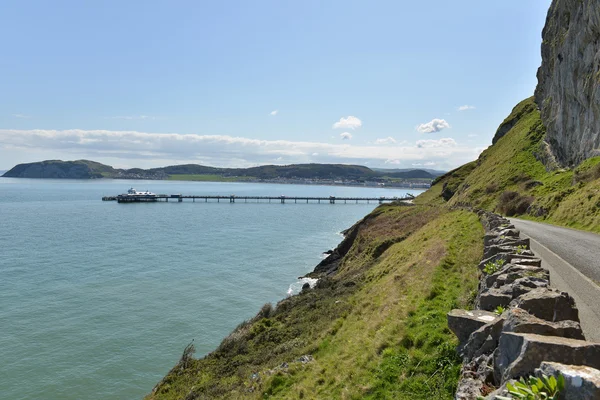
[134, 196]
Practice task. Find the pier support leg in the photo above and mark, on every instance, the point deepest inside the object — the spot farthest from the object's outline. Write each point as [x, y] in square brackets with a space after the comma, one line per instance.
[180, 200]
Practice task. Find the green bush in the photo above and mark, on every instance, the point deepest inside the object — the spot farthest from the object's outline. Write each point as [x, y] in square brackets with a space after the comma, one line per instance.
[493, 266]
[534, 388]
[513, 203]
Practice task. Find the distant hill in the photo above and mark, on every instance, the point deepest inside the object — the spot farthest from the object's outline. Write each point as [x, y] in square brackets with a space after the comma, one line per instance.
[57, 169]
[86, 169]
[435, 172]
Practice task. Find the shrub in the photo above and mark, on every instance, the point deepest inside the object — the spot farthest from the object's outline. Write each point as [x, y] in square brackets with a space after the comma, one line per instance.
[491, 188]
[265, 311]
[493, 267]
[513, 203]
[588, 175]
[533, 388]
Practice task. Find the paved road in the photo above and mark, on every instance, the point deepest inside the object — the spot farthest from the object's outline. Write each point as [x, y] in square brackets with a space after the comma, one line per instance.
[573, 258]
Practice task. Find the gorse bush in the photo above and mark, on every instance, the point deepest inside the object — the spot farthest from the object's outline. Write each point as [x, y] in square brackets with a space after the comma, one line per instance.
[513, 203]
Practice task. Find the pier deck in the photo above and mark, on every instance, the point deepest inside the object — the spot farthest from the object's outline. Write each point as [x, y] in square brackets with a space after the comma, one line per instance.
[233, 199]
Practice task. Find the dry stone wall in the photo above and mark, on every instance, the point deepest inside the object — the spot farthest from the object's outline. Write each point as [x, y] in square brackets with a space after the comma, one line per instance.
[521, 325]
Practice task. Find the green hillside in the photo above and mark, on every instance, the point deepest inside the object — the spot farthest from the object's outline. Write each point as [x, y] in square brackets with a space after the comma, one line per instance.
[57, 169]
[509, 178]
[85, 169]
[374, 329]
[375, 325]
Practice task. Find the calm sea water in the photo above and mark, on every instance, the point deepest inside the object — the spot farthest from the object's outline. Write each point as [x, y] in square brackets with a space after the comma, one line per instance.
[98, 299]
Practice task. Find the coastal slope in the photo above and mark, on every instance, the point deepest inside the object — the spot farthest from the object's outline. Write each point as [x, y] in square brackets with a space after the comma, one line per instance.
[512, 178]
[373, 327]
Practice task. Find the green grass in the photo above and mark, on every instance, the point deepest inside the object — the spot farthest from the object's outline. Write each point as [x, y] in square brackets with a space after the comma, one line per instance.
[569, 197]
[208, 178]
[376, 329]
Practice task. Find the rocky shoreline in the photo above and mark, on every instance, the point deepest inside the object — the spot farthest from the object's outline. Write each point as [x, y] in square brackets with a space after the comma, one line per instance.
[521, 326]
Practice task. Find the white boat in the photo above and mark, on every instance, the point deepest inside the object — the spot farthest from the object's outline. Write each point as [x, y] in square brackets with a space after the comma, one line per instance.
[133, 195]
[137, 193]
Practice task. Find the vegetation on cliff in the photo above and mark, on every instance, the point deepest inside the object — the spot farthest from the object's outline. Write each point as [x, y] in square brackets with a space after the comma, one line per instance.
[374, 328]
[511, 178]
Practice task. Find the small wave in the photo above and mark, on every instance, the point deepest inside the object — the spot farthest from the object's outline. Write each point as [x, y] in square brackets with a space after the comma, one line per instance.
[296, 287]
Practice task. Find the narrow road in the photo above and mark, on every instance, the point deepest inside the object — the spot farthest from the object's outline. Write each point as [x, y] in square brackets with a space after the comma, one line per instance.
[573, 259]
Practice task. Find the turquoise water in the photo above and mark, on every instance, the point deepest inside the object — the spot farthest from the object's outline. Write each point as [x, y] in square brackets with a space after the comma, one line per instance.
[98, 299]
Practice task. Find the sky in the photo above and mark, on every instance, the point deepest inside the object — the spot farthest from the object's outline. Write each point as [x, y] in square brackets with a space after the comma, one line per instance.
[386, 84]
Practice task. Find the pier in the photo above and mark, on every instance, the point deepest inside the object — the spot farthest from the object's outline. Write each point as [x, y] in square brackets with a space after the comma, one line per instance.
[254, 199]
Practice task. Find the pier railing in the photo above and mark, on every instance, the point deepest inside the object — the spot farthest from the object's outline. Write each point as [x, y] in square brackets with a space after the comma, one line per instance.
[246, 199]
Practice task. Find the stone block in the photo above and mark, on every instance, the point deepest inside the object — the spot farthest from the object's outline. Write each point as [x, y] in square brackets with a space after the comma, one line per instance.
[519, 354]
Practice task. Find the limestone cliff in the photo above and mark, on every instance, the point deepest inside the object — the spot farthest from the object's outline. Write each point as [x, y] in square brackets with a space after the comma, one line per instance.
[568, 91]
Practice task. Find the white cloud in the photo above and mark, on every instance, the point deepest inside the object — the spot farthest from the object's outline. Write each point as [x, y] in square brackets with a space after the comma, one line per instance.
[472, 135]
[346, 135]
[425, 164]
[429, 143]
[274, 112]
[466, 107]
[394, 162]
[132, 117]
[21, 116]
[141, 149]
[349, 122]
[435, 125]
[387, 140]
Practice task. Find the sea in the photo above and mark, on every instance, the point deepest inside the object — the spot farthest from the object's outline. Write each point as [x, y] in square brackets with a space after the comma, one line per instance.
[99, 299]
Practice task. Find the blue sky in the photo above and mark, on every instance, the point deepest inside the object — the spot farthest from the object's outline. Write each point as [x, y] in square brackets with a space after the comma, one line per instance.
[242, 83]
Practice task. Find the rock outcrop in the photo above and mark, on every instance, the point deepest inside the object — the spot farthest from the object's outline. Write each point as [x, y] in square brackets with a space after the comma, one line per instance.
[568, 90]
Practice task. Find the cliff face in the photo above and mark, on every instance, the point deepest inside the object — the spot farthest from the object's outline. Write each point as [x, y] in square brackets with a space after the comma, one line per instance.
[568, 91]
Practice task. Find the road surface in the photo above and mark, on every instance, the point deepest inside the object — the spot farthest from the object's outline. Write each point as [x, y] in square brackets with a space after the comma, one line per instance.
[573, 258]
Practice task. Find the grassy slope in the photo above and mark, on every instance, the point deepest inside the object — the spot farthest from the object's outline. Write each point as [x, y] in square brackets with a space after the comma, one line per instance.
[567, 197]
[376, 329]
